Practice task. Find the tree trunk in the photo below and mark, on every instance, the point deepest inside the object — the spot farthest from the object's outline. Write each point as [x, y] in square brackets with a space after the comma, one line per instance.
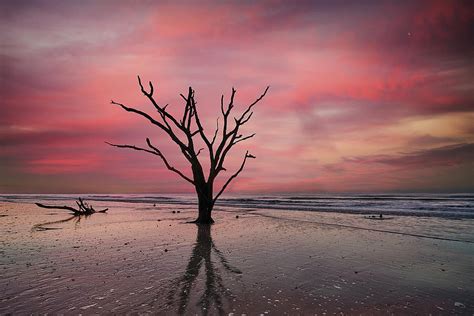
[204, 193]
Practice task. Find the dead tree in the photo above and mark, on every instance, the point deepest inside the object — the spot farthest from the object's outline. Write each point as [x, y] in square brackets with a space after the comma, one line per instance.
[182, 131]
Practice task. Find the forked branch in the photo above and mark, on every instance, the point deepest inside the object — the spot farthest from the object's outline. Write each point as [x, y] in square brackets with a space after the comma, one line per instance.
[247, 155]
[229, 139]
[84, 208]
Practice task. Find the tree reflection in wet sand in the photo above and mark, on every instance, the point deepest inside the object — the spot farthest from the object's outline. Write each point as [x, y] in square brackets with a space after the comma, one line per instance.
[214, 289]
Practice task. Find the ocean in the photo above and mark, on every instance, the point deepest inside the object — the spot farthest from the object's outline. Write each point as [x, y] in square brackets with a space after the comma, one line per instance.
[453, 206]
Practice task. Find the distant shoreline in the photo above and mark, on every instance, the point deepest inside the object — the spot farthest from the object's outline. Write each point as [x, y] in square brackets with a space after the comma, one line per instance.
[452, 206]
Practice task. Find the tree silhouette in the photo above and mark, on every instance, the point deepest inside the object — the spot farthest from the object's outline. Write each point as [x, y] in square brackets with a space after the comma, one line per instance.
[183, 132]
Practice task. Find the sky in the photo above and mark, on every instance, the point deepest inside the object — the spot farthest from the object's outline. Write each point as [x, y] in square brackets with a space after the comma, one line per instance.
[365, 96]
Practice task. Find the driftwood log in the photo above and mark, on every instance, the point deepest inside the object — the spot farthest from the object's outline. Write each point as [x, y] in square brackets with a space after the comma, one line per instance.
[83, 208]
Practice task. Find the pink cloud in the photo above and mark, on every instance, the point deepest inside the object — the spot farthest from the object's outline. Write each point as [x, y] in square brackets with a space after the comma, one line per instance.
[341, 76]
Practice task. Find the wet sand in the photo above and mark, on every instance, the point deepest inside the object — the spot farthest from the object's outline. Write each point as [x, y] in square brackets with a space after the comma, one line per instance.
[142, 258]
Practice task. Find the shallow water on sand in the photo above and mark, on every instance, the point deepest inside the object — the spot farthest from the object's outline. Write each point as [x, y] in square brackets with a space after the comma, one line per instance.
[144, 258]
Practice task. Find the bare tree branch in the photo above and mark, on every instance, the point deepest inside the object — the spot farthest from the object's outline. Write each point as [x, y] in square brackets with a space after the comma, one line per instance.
[201, 129]
[253, 103]
[156, 152]
[225, 147]
[132, 147]
[245, 138]
[161, 110]
[143, 90]
[247, 155]
[145, 115]
[215, 133]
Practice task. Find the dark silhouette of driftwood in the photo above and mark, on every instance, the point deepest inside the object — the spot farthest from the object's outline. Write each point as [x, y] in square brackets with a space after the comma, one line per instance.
[68, 208]
[83, 208]
[183, 131]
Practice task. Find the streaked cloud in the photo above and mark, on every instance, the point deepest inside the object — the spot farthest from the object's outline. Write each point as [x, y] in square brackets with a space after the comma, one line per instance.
[388, 84]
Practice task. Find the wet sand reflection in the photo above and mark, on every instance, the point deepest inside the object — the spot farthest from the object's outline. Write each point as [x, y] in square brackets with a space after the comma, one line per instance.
[214, 290]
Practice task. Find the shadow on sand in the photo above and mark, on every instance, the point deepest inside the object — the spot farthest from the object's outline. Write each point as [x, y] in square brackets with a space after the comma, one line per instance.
[44, 226]
[202, 260]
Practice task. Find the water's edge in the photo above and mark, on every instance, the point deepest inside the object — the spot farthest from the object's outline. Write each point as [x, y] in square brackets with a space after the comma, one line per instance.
[453, 206]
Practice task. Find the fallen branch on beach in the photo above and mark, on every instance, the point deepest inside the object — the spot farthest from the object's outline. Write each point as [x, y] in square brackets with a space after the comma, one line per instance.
[84, 208]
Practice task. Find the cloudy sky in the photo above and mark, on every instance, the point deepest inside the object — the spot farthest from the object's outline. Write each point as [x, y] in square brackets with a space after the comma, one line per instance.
[373, 96]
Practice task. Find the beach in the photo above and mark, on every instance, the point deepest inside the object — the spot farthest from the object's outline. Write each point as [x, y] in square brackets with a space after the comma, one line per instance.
[142, 257]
